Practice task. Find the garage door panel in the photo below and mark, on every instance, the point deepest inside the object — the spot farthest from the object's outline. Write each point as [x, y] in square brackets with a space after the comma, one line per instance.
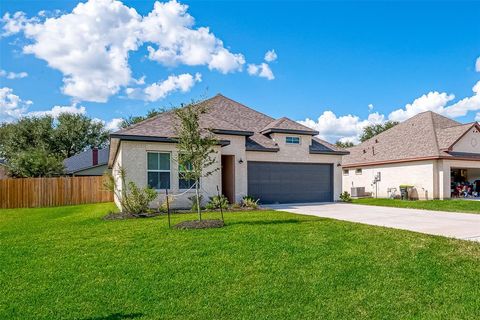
[276, 182]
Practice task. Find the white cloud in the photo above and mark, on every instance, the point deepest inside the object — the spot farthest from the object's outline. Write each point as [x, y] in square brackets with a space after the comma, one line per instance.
[12, 106]
[170, 28]
[270, 56]
[90, 46]
[14, 23]
[438, 102]
[370, 107]
[12, 75]
[432, 101]
[57, 110]
[345, 128]
[477, 65]
[183, 82]
[262, 70]
[477, 118]
[114, 124]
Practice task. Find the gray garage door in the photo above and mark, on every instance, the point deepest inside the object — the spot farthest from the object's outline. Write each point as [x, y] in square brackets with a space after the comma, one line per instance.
[279, 182]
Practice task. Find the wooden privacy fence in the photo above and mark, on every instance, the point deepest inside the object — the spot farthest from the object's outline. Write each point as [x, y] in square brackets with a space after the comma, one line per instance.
[48, 192]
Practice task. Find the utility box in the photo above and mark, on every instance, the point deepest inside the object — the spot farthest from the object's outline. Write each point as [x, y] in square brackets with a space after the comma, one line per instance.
[358, 192]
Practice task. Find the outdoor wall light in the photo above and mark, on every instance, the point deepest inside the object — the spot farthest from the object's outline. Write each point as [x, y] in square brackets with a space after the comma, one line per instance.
[240, 161]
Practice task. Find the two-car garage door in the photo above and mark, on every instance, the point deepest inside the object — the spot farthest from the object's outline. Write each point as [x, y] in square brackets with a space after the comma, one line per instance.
[280, 182]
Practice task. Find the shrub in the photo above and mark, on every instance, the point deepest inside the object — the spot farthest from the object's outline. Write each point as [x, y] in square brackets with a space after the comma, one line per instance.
[193, 200]
[217, 202]
[133, 199]
[250, 202]
[345, 197]
[163, 205]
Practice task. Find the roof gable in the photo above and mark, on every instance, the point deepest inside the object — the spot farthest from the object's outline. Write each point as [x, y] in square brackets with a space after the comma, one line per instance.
[286, 125]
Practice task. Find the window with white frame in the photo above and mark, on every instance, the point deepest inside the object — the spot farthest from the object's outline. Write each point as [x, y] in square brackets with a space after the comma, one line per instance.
[184, 183]
[345, 172]
[292, 140]
[358, 171]
[158, 170]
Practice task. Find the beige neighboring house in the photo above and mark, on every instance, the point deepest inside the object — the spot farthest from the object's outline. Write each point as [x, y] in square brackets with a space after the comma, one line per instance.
[275, 160]
[428, 151]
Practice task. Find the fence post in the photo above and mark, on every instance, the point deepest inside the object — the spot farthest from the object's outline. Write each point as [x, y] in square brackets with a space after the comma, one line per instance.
[168, 208]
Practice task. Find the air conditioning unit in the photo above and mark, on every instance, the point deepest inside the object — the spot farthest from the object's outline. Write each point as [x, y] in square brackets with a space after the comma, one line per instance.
[358, 192]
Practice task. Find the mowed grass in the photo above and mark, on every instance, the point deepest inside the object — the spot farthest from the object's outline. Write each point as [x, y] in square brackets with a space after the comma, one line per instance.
[68, 263]
[468, 206]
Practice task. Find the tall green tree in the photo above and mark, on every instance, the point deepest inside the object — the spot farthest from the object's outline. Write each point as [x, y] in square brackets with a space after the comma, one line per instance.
[344, 145]
[74, 133]
[131, 120]
[375, 129]
[196, 153]
[37, 146]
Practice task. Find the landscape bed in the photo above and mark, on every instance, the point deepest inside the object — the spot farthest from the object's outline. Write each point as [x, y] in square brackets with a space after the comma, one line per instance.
[67, 262]
[454, 205]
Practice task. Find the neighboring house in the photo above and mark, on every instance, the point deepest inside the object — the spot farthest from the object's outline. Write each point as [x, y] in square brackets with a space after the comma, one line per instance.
[92, 162]
[3, 169]
[428, 151]
[275, 160]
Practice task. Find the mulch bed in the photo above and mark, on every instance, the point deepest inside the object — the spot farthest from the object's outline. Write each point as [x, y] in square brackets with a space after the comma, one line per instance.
[204, 224]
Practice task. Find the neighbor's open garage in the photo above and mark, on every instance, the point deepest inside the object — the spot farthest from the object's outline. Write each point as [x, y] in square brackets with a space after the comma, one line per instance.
[281, 182]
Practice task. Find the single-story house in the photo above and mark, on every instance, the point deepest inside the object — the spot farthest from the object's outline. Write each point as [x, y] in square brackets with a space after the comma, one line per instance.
[428, 151]
[92, 162]
[275, 160]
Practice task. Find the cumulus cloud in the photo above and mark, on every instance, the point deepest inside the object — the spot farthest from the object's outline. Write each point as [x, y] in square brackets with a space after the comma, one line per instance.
[439, 103]
[345, 128]
[12, 106]
[183, 82]
[349, 127]
[262, 70]
[477, 65]
[114, 124]
[90, 46]
[57, 110]
[270, 56]
[170, 28]
[370, 107]
[12, 75]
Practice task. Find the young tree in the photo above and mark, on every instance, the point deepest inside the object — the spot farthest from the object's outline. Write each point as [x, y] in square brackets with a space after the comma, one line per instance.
[375, 129]
[344, 145]
[196, 153]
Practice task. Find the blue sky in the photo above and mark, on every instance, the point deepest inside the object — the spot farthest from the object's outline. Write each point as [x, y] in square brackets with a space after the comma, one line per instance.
[334, 60]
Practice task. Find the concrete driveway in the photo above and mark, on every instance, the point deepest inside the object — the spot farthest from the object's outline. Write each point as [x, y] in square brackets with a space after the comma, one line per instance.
[463, 226]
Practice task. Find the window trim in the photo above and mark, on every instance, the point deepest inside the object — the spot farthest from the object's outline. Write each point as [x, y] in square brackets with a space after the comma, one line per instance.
[293, 137]
[160, 170]
[346, 172]
[359, 171]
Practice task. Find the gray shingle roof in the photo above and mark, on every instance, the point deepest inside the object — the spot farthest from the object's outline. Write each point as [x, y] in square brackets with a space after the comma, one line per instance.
[426, 135]
[287, 125]
[84, 160]
[224, 115]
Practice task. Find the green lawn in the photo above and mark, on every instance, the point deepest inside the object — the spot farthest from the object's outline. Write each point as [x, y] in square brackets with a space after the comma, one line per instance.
[68, 263]
[437, 205]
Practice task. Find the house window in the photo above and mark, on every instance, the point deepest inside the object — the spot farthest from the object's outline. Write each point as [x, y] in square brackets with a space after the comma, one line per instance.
[158, 170]
[345, 172]
[358, 171]
[292, 140]
[182, 182]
